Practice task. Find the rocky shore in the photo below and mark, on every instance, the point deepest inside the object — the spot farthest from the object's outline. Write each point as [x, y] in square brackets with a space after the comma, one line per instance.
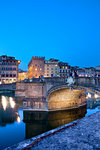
[84, 136]
[78, 135]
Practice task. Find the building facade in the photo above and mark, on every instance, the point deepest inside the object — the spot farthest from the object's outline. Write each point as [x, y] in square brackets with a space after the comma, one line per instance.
[89, 72]
[97, 68]
[8, 69]
[64, 69]
[36, 67]
[81, 72]
[22, 75]
[51, 68]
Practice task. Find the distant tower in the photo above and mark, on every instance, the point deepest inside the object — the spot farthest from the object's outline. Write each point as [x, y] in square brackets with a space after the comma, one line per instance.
[36, 67]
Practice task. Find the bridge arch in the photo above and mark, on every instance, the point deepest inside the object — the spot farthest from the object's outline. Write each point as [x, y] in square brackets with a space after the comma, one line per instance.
[62, 97]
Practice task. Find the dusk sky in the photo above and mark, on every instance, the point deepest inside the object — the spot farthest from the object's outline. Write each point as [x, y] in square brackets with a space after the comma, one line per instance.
[68, 30]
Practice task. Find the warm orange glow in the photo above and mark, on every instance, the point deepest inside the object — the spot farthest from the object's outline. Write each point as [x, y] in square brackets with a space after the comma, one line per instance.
[89, 95]
[96, 96]
[4, 102]
[18, 119]
[22, 75]
[19, 61]
[12, 103]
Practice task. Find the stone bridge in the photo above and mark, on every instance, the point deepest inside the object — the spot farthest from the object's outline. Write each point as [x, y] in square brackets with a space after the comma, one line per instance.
[53, 94]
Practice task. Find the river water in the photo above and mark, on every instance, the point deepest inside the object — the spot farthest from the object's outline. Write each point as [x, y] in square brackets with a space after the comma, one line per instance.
[17, 125]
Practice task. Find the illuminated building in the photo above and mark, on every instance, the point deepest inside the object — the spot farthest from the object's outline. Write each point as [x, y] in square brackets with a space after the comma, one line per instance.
[36, 67]
[22, 75]
[81, 72]
[51, 68]
[8, 69]
[97, 69]
[89, 72]
[64, 69]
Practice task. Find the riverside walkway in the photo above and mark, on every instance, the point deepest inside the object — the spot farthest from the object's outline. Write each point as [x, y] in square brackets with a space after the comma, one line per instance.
[83, 134]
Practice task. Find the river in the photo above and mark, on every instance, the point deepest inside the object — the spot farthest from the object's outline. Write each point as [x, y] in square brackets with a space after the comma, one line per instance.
[17, 125]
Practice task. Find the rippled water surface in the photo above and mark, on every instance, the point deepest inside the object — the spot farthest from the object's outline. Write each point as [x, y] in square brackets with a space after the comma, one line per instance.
[17, 125]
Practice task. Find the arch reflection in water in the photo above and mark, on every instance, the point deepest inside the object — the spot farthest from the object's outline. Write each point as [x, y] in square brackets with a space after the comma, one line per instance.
[39, 122]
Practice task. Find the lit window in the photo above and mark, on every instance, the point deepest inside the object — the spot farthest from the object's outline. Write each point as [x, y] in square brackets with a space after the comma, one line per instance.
[35, 68]
[40, 68]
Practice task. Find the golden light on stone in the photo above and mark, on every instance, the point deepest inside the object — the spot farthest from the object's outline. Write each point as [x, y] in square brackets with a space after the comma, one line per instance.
[89, 95]
[96, 96]
[4, 102]
[12, 103]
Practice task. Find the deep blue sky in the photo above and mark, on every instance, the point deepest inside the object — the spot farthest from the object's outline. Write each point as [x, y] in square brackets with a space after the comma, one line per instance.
[65, 29]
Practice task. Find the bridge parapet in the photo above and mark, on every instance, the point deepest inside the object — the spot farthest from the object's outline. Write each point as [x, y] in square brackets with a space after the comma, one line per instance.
[87, 81]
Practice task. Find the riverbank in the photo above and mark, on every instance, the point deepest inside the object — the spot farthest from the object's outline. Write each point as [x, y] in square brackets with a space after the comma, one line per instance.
[78, 135]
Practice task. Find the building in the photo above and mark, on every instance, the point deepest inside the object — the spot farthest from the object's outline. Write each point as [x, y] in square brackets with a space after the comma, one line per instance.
[97, 69]
[64, 69]
[89, 72]
[8, 69]
[22, 75]
[51, 68]
[80, 72]
[36, 67]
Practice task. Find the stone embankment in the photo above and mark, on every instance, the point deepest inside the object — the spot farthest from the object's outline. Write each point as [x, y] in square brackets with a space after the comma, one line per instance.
[83, 134]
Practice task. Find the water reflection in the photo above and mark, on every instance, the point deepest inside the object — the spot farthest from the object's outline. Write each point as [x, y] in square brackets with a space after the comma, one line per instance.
[35, 123]
[18, 119]
[4, 102]
[39, 122]
[12, 103]
[93, 103]
[8, 111]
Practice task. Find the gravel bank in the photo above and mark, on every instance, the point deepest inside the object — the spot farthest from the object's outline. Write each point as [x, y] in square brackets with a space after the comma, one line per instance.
[84, 136]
